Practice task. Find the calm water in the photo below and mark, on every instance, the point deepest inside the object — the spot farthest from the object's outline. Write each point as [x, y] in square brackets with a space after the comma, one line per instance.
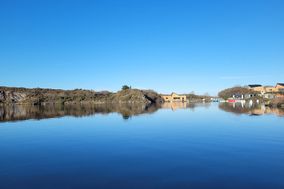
[176, 146]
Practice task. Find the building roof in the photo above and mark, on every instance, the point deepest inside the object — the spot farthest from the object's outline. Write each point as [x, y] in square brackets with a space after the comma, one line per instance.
[255, 85]
[282, 84]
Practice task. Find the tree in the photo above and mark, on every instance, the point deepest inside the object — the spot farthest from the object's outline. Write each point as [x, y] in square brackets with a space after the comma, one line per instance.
[126, 87]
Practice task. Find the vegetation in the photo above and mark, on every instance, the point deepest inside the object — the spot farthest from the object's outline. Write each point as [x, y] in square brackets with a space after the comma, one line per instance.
[228, 93]
[24, 112]
[277, 102]
[126, 87]
[38, 96]
[198, 98]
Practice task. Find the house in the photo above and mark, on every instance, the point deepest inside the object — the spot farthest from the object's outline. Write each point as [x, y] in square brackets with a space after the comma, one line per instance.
[267, 89]
[174, 98]
[269, 92]
[257, 88]
[279, 87]
[270, 89]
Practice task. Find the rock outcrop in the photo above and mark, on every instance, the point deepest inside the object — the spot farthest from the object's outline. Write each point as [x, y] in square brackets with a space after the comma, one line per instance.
[38, 96]
[136, 96]
[11, 96]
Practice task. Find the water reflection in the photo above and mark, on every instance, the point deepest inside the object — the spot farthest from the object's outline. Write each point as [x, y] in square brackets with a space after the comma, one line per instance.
[182, 105]
[174, 105]
[250, 109]
[25, 112]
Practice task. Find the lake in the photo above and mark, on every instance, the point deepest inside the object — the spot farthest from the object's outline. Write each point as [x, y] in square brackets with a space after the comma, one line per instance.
[119, 147]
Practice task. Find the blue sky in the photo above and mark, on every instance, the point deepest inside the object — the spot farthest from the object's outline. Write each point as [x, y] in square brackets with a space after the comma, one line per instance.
[182, 45]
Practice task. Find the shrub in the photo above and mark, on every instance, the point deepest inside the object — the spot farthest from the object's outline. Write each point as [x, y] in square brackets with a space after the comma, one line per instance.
[125, 87]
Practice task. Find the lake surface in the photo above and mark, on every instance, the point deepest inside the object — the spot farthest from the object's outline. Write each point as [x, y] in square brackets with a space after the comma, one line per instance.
[173, 146]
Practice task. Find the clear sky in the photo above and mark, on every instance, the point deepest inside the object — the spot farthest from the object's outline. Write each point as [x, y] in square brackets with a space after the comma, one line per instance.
[177, 45]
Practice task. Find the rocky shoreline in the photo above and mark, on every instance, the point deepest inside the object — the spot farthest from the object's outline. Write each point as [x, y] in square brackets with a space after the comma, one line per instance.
[39, 96]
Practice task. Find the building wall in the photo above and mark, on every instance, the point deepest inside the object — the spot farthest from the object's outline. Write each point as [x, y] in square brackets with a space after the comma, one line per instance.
[174, 98]
[279, 88]
[259, 89]
[167, 98]
[270, 89]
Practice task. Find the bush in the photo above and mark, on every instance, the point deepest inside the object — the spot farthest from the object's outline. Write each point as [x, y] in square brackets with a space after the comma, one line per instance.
[126, 87]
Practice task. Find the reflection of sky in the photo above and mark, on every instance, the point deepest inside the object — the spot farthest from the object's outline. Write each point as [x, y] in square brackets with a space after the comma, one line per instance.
[165, 148]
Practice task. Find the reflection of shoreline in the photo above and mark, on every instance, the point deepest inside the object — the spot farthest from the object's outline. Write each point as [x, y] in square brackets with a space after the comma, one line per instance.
[174, 105]
[26, 112]
[183, 105]
[258, 109]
